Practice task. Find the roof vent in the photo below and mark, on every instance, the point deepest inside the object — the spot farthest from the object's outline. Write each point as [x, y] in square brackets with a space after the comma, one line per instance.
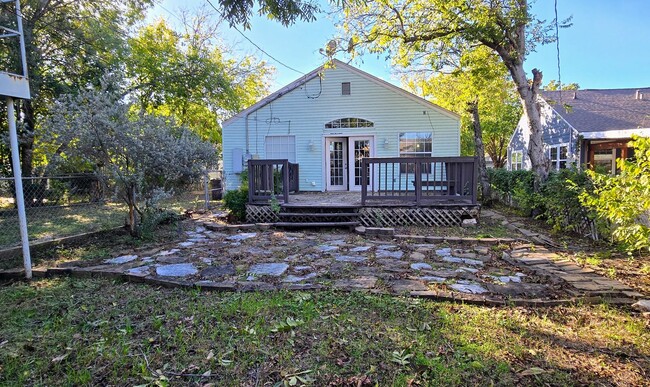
[575, 95]
[638, 94]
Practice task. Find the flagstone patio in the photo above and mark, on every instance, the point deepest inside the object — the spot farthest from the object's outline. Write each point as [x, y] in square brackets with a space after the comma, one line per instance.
[250, 260]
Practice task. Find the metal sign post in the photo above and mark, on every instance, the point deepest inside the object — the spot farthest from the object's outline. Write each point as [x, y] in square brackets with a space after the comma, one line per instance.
[16, 85]
[18, 178]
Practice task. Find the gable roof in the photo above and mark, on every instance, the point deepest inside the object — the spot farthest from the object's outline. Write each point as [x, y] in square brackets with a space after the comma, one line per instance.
[602, 110]
[315, 73]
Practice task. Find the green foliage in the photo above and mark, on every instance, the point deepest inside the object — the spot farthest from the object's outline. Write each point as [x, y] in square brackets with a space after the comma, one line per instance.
[558, 201]
[477, 74]
[146, 157]
[555, 85]
[187, 76]
[506, 183]
[152, 218]
[235, 201]
[624, 199]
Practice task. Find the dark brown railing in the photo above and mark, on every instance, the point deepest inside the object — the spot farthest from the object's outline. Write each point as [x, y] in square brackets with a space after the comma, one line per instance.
[421, 180]
[269, 178]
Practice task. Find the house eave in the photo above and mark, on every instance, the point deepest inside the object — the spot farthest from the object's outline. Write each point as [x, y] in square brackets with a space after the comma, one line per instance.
[615, 134]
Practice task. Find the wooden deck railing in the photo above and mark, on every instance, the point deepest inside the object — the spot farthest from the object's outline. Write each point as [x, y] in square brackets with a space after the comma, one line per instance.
[421, 180]
[273, 177]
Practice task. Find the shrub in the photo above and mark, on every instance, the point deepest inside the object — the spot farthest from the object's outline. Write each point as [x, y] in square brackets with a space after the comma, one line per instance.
[624, 200]
[558, 202]
[235, 201]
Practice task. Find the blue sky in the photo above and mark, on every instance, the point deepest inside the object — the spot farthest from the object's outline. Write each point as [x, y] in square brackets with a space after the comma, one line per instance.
[608, 45]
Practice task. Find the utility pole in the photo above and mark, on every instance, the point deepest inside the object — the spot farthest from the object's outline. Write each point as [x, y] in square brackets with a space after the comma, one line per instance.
[16, 85]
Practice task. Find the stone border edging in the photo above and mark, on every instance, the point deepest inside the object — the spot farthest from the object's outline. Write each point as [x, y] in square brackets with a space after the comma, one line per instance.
[462, 298]
[12, 252]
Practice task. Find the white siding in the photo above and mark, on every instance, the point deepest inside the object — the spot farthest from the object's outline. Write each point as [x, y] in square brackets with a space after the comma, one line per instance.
[304, 111]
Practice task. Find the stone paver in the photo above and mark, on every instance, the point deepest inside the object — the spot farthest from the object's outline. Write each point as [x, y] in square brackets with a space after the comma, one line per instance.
[176, 270]
[122, 259]
[273, 269]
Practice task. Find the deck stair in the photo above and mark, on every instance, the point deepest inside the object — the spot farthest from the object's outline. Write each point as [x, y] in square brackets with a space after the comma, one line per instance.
[297, 215]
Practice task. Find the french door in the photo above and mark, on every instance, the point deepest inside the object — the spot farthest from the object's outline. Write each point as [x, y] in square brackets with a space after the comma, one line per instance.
[343, 158]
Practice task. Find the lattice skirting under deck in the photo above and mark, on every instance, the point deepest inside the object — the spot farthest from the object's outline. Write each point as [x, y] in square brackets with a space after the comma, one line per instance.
[260, 214]
[416, 216]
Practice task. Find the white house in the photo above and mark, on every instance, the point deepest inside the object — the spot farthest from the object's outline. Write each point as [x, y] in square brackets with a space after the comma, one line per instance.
[329, 119]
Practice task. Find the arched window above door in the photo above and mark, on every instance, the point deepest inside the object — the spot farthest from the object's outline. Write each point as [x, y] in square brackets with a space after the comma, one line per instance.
[349, 123]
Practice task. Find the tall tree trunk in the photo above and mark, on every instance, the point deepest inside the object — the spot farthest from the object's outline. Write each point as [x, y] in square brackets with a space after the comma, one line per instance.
[528, 94]
[472, 108]
[26, 137]
[131, 200]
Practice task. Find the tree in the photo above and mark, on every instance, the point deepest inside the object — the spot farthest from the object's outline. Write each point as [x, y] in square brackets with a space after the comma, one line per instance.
[69, 44]
[286, 12]
[477, 76]
[187, 75]
[146, 157]
[433, 31]
[554, 85]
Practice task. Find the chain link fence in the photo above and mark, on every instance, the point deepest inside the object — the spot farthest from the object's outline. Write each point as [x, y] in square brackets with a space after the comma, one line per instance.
[61, 206]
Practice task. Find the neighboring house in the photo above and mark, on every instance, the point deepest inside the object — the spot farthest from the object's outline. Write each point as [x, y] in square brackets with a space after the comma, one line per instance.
[587, 127]
[331, 118]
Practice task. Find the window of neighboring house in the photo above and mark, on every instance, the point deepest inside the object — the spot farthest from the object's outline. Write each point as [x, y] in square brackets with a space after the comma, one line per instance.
[605, 160]
[415, 144]
[281, 147]
[559, 155]
[516, 160]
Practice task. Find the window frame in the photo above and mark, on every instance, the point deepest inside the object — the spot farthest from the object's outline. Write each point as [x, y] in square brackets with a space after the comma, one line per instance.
[349, 123]
[406, 169]
[514, 162]
[556, 164]
[293, 150]
[346, 88]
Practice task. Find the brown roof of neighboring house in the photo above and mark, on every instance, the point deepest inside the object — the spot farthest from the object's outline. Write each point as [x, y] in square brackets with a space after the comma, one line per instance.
[592, 110]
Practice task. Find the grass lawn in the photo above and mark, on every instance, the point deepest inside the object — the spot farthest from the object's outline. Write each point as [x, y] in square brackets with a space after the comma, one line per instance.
[97, 332]
[53, 222]
[45, 223]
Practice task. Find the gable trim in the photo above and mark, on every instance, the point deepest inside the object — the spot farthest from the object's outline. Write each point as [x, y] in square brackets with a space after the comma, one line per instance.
[316, 72]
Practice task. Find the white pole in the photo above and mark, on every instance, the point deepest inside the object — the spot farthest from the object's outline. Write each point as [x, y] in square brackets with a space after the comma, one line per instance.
[15, 159]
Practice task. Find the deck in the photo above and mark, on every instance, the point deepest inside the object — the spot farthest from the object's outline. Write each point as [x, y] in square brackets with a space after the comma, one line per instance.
[403, 191]
[354, 200]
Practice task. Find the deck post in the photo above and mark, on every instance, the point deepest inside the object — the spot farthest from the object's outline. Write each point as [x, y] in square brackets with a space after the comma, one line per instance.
[418, 181]
[285, 181]
[364, 178]
[475, 181]
[251, 181]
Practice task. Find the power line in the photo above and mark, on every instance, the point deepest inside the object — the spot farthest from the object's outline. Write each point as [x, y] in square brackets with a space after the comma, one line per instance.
[557, 48]
[254, 44]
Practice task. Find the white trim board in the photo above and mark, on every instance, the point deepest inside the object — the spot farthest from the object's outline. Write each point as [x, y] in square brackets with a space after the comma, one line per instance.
[613, 134]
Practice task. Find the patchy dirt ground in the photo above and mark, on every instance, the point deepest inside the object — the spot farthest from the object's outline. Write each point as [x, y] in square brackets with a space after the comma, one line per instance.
[248, 260]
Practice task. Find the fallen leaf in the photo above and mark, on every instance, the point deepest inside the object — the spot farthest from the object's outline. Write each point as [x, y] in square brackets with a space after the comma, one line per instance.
[59, 359]
[210, 355]
[532, 371]
[207, 373]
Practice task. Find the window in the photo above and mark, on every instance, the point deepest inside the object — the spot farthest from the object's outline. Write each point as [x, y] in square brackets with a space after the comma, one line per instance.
[281, 147]
[345, 88]
[414, 144]
[349, 123]
[559, 155]
[516, 160]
